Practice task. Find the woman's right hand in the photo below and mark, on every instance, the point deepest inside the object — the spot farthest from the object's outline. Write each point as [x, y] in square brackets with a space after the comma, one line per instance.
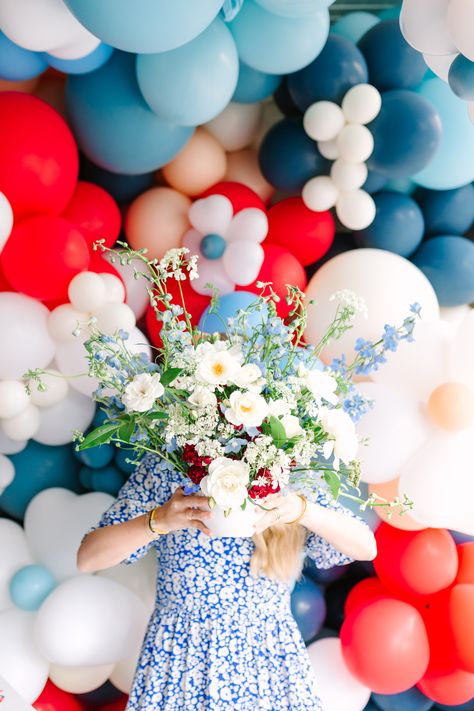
[183, 511]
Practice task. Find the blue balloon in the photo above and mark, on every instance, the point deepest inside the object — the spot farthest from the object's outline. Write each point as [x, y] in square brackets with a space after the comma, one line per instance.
[398, 225]
[96, 457]
[354, 25]
[285, 103]
[289, 157]
[407, 134]
[322, 576]
[84, 65]
[18, 64]
[336, 596]
[308, 608]
[136, 140]
[121, 456]
[390, 13]
[461, 78]
[278, 45]
[253, 85]
[409, 700]
[98, 698]
[30, 586]
[229, 305]
[401, 185]
[295, 8]
[122, 187]
[340, 66]
[468, 706]
[392, 63]
[448, 212]
[453, 163]
[85, 477]
[107, 479]
[448, 262]
[461, 538]
[52, 466]
[191, 84]
[148, 26]
[374, 182]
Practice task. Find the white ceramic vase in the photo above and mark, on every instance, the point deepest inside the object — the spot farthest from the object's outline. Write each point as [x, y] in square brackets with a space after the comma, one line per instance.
[238, 524]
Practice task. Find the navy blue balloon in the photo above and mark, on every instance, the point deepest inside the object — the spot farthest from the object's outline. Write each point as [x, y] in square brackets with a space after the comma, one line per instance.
[409, 700]
[398, 225]
[392, 63]
[96, 457]
[468, 706]
[374, 182]
[448, 262]
[253, 85]
[461, 78]
[39, 467]
[322, 576]
[370, 706]
[336, 595]
[461, 537]
[289, 157]
[448, 212]
[407, 133]
[18, 64]
[340, 66]
[283, 100]
[122, 187]
[308, 608]
[96, 699]
[121, 456]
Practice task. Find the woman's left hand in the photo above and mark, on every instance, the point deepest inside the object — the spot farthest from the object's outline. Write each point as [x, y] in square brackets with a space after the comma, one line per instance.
[281, 509]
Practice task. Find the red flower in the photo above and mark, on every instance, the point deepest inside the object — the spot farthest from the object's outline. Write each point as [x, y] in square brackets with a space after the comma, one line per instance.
[260, 491]
[196, 473]
[197, 464]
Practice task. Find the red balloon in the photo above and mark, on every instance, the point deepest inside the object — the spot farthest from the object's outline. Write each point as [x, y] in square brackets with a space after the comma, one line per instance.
[451, 689]
[241, 196]
[281, 268]
[54, 699]
[195, 304]
[118, 705]
[95, 213]
[39, 161]
[415, 562]
[307, 234]
[466, 563]
[461, 618]
[365, 592]
[4, 283]
[385, 645]
[434, 610]
[42, 255]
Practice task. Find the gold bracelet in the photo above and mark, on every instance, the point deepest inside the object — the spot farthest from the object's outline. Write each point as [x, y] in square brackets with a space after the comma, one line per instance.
[305, 504]
[151, 518]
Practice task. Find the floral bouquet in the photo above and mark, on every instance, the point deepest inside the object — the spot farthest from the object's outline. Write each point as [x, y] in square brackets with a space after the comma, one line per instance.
[243, 413]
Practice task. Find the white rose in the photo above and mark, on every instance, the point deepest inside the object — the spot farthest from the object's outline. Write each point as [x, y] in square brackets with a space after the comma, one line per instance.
[217, 368]
[202, 397]
[140, 395]
[279, 407]
[226, 482]
[248, 409]
[321, 385]
[292, 426]
[249, 375]
[339, 425]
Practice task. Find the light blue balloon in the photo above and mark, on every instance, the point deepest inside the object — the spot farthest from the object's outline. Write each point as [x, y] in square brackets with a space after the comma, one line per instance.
[453, 162]
[278, 45]
[84, 65]
[30, 586]
[192, 84]
[229, 305]
[114, 126]
[390, 13]
[147, 26]
[294, 8]
[354, 25]
[253, 85]
[18, 64]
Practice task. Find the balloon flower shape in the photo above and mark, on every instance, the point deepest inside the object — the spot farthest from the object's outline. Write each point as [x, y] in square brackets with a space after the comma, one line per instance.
[228, 245]
[421, 429]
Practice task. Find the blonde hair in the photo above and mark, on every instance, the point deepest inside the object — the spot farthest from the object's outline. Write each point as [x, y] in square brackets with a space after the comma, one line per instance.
[278, 552]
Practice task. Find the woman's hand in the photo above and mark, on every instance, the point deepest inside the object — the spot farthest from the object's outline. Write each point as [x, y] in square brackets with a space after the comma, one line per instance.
[281, 509]
[183, 511]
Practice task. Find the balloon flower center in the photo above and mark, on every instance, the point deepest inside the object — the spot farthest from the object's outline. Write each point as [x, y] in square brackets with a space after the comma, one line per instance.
[451, 406]
[212, 246]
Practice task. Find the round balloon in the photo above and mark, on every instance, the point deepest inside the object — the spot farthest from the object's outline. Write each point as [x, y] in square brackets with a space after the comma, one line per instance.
[308, 608]
[95, 213]
[305, 233]
[89, 63]
[123, 188]
[30, 586]
[200, 164]
[447, 212]
[354, 25]
[253, 85]
[17, 63]
[236, 126]
[228, 307]
[22, 663]
[448, 262]
[54, 699]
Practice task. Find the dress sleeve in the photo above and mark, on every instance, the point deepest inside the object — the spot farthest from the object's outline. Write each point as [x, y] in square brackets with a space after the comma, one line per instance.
[323, 553]
[146, 487]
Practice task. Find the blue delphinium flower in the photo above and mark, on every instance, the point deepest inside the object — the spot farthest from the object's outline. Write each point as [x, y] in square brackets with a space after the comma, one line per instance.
[390, 338]
[356, 405]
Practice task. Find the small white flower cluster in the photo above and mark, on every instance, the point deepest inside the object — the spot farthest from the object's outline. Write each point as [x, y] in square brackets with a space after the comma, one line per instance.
[348, 298]
[174, 265]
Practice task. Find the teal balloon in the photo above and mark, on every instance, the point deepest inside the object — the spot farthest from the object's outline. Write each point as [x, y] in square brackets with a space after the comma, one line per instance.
[410, 700]
[461, 78]
[453, 163]
[84, 65]
[294, 8]
[212, 246]
[191, 84]
[96, 457]
[278, 45]
[30, 586]
[253, 85]
[448, 262]
[228, 306]
[109, 480]
[121, 456]
[114, 126]
[39, 467]
[17, 63]
[390, 13]
[147, 25]
[354, 25]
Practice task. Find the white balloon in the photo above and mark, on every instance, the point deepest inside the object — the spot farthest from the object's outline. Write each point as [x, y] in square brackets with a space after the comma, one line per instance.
[79, 680]
[237, 126]
[113, 317]
[470, 110]
[7, 472]
[15, 554]
[140, 578]
[6, 220]
[454, 315]
[320, 193]
[78, 47]
[356, 209]
[440, 64]
[387, 282]
[348, 176]
[337, 687]
[114, 289]
[55, 522]
[72, 363]
[87, 292]
[11, 446]
[211, 214]
[22, 665]
[137, 295]
[13, 398]
[243, 261]
[24, 425]
[423, 25]
[58, 422]
[361, 104]
[124, 672]
[89, 621]
[138, 342]
[355, 143]
[329, 149]
[461, 351]
[460, 21]
[56, 389]
[323, 121]
[65, 320]
[248, 225]
[211, 271]
[24, 335]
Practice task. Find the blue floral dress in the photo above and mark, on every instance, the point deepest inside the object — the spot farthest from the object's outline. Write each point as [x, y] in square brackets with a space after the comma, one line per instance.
[218, 637]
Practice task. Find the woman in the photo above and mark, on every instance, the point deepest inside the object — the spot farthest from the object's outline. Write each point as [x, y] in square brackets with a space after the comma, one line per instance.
[222, 635]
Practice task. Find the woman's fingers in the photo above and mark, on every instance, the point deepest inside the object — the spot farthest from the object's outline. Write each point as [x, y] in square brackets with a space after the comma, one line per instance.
[268, 519]
[196, 523]
[196, 501]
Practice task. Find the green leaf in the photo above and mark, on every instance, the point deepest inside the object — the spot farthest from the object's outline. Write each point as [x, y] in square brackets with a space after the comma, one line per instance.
[334, 483]
[126, 430]
[156, 416]
[169, 375]
[101, 435]
[277, 431]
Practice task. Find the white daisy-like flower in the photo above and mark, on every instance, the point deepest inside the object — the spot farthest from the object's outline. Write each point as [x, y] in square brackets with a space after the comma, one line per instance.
[228, 245]
[320, 384]
[344, 444]
[141, 394]
[246, 408]
[217, 367]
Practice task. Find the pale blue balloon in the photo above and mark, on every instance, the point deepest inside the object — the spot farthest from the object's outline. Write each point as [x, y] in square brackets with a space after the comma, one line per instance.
[30, 586]
[354, 25]
[278, 45]
[192, 84]
[17, 63]
[294, 8]
[453, 163]
[253, 85]
[84, 65]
